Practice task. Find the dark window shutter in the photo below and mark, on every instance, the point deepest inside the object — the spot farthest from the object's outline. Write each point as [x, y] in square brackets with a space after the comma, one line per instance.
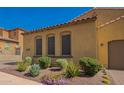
[38, 46]
[51, 45]
[66, 45]
[18, 51]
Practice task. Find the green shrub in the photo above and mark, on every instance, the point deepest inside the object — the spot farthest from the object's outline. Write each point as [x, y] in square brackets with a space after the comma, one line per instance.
[21, 66]
[106, 81]
[28, 60]
[72, 70]
[44, 62]
[34, 70]
[90, 66]
[62, 63]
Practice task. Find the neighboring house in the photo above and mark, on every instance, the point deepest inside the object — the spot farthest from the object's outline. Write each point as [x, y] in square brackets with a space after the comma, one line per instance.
[97, 33]
[11, 44]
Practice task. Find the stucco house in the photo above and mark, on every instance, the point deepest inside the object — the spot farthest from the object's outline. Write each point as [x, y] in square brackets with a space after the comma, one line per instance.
[97, 33]
[11, 44]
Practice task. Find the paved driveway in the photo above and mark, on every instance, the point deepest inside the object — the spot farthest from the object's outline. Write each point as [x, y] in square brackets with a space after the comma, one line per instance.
[5, 64]
[7, 79]
[118, 76]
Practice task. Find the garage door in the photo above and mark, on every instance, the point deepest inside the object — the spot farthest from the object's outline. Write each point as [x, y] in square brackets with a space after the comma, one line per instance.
[116, 55]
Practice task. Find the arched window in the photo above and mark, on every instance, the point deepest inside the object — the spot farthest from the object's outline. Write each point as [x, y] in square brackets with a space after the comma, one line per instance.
[38, 45]
[66, 43]
[51, 44]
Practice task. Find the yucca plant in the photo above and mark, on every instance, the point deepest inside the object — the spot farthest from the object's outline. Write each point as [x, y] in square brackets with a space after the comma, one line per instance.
[106, 81]
[72, 70]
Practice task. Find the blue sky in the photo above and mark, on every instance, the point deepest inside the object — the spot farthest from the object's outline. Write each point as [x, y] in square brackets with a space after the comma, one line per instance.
[31, 18]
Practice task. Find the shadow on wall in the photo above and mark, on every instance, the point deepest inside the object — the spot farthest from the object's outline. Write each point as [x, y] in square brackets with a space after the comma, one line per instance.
[10, 63]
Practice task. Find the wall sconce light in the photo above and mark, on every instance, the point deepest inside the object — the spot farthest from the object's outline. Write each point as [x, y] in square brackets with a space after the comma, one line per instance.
[101, 44]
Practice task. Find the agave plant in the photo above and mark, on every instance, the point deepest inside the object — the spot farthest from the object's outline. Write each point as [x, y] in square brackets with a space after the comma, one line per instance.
[34, 70]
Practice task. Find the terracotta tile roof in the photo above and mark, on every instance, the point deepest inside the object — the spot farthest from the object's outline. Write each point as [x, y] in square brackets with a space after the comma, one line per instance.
[3, 29]
[111, 21]
[13, 29]
[8, 39]
[94, 9]
[75, 20]
[62, 25]
[18, 29]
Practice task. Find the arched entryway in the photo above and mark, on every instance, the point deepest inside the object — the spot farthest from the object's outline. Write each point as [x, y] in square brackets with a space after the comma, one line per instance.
[116, 54]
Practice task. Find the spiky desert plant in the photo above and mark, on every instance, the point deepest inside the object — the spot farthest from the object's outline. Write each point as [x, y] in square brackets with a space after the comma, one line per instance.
[34, 70]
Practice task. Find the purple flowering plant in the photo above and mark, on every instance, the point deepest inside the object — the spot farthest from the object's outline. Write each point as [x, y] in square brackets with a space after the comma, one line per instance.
[53, 80]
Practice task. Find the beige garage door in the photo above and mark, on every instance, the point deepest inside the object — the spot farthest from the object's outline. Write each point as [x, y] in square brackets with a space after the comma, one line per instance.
[116, 55]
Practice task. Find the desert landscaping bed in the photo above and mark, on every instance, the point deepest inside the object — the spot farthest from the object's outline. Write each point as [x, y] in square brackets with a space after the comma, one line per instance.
[78, 80]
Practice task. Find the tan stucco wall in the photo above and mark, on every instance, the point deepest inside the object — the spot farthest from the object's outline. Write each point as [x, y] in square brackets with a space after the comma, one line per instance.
[10, 58]
[110, 32]
[9, 55]
[113, 31]
[20, 39]
[5, 34]
[13, 35]
[1, 32]
[83, 40]
[105, 15]
[11, 48]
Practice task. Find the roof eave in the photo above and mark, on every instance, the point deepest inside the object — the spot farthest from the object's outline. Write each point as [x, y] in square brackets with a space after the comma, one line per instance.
[63, 25]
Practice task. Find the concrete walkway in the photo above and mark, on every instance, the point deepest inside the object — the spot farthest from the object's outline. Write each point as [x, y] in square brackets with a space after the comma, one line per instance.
[118, 76]
[7, 79]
